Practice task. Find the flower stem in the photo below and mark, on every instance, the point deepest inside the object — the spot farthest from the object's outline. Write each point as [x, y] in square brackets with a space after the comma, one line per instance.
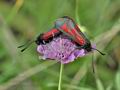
[60, 77]
[76, 12]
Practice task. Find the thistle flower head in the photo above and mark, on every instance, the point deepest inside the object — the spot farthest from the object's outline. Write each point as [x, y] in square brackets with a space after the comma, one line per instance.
[61, 49]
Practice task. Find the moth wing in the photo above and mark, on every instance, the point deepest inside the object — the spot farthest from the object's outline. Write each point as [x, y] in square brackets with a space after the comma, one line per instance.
[69, 28]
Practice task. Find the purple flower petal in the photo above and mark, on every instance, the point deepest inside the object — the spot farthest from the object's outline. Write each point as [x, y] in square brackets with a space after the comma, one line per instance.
[61, 49]
[93, 46]
[79, 53]
[69, 59]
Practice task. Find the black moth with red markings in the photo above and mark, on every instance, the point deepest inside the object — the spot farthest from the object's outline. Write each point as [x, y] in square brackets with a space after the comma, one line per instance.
[67, 26]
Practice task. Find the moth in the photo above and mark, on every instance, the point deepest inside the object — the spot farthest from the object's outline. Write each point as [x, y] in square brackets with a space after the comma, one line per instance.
[67, 26]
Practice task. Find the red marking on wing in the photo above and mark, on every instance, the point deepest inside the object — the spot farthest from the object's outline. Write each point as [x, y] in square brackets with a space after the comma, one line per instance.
[73, 33]
[77, 28]
[66, 29]
[49, 34]
[78, 38]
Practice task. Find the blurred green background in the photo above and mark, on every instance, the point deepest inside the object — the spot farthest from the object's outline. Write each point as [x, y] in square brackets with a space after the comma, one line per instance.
[23, 20]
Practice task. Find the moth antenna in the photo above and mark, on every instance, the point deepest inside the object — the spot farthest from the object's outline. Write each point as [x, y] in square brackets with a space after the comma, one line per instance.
[99, 51]
[23, 49]
[23, 44]
[27, 45]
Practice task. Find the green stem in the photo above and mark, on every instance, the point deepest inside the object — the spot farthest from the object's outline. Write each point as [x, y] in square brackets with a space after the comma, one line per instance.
[60, 77]
[76, 12]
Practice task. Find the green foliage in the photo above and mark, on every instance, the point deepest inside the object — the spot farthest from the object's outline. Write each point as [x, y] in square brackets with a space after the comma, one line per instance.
[22, 20]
